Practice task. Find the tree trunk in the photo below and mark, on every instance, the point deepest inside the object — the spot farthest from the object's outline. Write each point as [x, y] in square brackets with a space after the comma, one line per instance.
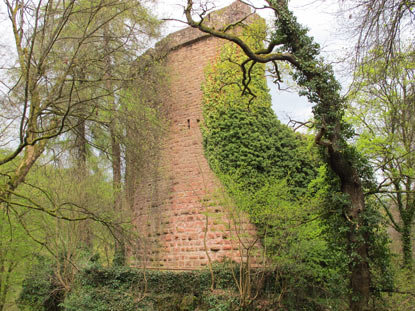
[81, 175]
[129, 169]
[406, 243]
[80, 143]
[357, 244]
[5, 287]
[360, 276]
[116, 182]
[119, 255]
[81, 154]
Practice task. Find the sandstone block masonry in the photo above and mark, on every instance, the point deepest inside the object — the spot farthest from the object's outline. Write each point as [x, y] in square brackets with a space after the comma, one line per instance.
[179, 208]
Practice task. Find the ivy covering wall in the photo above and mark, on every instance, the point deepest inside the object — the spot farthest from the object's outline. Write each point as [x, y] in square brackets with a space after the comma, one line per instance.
[265, 167]
[241, 134]
[269, 171]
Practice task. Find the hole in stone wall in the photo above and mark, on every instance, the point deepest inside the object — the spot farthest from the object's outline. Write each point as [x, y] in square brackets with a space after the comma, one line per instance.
[188, 123]
[197, 120]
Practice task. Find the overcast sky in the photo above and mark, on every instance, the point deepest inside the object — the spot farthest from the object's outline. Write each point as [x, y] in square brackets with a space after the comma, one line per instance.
[318, 15]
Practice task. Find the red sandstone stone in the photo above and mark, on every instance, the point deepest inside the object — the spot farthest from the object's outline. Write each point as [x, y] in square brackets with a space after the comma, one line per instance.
[175, 195]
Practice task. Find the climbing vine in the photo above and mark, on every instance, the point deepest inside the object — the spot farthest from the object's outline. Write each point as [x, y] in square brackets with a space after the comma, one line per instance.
[242, 135]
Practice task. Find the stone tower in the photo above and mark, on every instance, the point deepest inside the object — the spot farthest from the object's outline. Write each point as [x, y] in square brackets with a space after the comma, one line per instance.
[181, 225]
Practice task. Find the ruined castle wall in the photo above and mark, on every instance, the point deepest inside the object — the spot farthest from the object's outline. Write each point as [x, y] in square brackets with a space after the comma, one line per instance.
[178, 211]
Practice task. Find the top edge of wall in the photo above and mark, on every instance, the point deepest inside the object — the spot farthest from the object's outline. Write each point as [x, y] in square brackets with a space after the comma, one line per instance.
[216, 19]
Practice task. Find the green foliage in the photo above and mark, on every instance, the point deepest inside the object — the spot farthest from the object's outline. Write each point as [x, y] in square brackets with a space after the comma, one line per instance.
[294, 234]
[15, 249]
[242, 136]
[124, 289]
[382, 110]
[222, 301]
[40, 289]
[64, 245]
[402, 297]
[268, 171]
[113, 296]
[337, 231]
